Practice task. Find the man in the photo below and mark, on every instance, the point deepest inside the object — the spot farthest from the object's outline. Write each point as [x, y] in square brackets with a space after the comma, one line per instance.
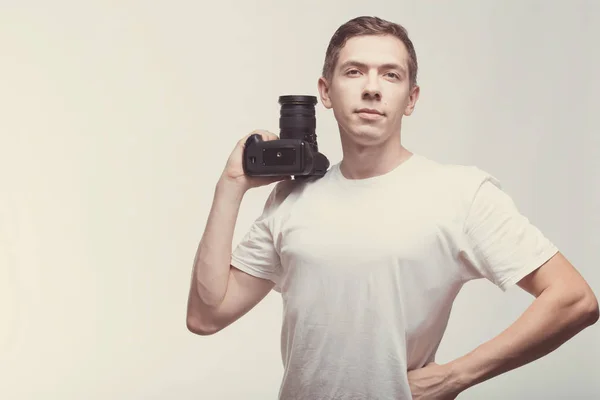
[370, 257]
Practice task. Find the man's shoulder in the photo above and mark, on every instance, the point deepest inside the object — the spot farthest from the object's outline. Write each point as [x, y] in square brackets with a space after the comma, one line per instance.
[284, 193]
[283, 190]
[455, 174]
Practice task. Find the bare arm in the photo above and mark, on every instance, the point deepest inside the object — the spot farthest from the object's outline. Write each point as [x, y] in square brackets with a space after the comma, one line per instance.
[220, 294]
[564, 305]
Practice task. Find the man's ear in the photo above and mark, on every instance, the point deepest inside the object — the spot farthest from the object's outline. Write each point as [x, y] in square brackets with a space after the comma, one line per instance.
[412, 100]
[323, 87]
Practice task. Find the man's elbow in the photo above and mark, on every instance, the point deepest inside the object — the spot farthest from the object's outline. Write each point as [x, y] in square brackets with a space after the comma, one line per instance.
[198, 327]
[577, 301]
[590, 309]
[583, 306]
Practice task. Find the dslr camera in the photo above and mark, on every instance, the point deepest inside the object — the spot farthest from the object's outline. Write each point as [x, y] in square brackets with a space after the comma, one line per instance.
[296, 152]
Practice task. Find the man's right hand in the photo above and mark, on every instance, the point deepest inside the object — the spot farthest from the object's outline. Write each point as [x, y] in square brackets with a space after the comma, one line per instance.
[234, 171]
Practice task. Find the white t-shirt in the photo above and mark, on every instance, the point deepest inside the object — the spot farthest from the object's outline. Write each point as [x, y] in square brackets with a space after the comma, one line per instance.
[368, 269]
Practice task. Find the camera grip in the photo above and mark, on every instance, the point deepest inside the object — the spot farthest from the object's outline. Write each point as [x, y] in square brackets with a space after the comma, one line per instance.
[254, 138]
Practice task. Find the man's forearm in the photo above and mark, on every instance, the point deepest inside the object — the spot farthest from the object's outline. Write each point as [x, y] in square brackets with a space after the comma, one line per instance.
[544, 326]
[213, 257]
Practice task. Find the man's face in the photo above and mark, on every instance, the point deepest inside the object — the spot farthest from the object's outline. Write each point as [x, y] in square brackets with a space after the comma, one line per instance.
[370, 89]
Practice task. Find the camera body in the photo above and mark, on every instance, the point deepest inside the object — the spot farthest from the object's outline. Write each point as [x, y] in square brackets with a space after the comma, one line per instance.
[296, 152]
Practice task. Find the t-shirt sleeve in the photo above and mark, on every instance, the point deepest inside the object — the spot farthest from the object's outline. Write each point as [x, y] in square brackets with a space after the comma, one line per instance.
[503, 246]
[256, 253]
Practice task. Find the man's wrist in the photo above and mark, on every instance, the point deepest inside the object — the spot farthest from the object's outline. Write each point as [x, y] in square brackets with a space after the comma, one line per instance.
[459, 376]
[230, 187]
[464, 371]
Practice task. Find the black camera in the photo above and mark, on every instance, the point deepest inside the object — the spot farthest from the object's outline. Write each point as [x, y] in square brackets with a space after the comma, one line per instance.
[296, 152]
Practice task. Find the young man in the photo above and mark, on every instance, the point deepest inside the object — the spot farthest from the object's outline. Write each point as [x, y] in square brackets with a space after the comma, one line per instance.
[370, 257]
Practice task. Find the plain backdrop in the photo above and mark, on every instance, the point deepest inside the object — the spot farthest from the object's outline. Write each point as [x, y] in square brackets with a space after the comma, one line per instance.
[116, 119]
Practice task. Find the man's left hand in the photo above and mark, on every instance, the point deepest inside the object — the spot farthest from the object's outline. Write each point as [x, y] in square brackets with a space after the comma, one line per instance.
[433, 382]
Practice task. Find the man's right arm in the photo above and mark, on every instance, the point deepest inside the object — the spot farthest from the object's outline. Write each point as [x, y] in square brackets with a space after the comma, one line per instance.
[219, 293]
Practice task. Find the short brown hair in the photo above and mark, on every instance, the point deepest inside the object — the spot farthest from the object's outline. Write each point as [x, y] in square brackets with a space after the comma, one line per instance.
[362, 26]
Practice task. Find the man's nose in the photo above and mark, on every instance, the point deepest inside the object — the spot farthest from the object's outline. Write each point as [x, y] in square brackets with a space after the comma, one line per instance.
[372, 89]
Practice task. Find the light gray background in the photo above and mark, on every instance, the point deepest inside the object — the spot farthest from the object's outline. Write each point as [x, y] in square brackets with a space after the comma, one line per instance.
[116, 119]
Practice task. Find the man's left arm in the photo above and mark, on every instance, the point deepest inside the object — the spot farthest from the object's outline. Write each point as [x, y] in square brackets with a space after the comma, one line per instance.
[564, 305]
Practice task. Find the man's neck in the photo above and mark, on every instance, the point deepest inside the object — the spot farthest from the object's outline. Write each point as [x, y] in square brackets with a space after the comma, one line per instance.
[366, 162]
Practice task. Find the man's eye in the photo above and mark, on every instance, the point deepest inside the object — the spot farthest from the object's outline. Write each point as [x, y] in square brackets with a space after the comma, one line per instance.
[352, 71]
[393, 75]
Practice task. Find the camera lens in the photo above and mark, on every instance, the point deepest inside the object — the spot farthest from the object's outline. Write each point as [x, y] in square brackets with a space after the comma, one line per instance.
[297, 118]
[298, 99]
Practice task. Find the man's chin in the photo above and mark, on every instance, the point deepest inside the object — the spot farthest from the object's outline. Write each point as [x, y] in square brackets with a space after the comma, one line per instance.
[366, 136]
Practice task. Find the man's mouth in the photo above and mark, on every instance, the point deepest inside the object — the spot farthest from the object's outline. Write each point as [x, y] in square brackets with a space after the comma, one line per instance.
[369, 111]
[369, 114]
